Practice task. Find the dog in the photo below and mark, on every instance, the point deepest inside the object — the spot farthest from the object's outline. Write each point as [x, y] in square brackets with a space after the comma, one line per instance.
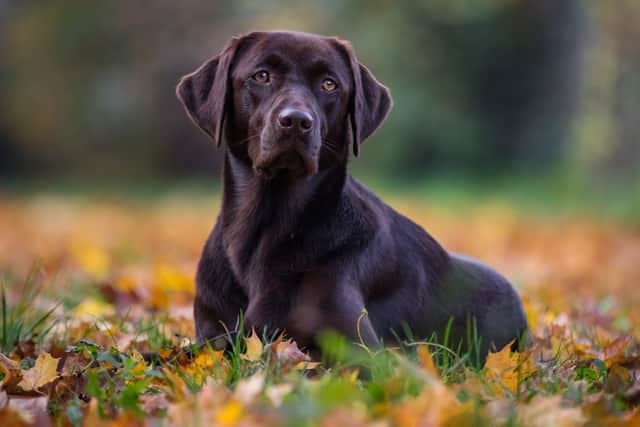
[301, 246]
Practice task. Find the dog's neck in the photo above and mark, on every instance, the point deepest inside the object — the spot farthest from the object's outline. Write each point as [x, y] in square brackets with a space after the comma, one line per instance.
[279, 204]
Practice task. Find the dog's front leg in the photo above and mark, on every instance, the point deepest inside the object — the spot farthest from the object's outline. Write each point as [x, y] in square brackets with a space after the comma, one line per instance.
[326, 306]
[219, 299]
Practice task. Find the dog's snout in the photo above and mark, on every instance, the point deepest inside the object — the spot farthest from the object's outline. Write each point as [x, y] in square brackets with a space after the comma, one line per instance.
[295, 119]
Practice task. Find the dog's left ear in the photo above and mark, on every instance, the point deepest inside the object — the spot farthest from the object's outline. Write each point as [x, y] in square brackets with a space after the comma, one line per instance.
[205, 94]
[370, 102]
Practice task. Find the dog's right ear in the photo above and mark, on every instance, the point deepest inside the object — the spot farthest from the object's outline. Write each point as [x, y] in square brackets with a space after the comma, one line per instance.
[205, 92]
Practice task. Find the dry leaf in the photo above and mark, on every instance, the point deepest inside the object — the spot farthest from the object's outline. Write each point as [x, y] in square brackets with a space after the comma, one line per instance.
[545, 411]
[276, 393]
[254, 347]
[44, 371]
[230, 413]
[509, 369]
[248, 388]
[24, 411]
[426, 361]
[12, 372]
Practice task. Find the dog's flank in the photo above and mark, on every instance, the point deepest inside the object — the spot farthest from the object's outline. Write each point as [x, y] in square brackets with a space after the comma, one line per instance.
[300, 245]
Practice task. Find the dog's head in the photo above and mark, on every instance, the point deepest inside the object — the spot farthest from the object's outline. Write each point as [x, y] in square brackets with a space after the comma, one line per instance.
[286, 101]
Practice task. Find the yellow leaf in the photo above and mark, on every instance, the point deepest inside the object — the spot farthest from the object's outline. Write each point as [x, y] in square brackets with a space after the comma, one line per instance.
[171, 279]
[93, 308]
[306, 365]
[229, 414]
[509, 369]
[203, 364]
[254, 347]
[140, 367]
[42, 373]
[170, 286]
[92, 260]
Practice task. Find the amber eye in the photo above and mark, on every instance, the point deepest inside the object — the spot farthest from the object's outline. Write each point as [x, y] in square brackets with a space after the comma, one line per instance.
[262, 76]
[329, 85]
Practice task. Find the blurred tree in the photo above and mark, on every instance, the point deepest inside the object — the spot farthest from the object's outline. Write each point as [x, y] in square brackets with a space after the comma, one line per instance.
[480, 87]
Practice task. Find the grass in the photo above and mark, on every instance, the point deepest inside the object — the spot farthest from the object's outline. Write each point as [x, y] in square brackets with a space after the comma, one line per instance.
[20, 319]
[123, 287]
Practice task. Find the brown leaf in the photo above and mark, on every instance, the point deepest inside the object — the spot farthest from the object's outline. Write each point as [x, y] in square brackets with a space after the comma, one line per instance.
[544, 411]
[12, 372]
[616, 347]
[289, 354]
[24, 411]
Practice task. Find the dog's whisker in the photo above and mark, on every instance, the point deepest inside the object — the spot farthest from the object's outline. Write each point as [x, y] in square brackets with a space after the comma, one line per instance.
[330, 147]
[245, 140]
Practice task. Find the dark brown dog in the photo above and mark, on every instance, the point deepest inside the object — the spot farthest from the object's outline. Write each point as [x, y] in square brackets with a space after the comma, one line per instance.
[299, 244]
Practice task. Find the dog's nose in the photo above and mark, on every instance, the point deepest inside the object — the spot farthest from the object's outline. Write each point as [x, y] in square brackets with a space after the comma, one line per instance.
[291, 118]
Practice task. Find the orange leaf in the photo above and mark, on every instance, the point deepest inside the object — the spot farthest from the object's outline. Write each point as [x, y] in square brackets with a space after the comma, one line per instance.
[426, 361]
[614, 350]
[509, 369]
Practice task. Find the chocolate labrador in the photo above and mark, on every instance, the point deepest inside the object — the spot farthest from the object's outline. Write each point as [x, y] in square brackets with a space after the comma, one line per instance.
[300, 245]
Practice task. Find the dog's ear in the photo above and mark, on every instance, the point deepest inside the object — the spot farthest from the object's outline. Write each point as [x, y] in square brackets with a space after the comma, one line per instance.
[370, 102]
[205, 92]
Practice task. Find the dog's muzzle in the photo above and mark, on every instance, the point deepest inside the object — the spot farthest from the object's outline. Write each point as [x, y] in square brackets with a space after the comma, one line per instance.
[290, 145]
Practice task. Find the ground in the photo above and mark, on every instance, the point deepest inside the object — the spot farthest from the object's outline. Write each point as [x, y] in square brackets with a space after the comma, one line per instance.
[90, 284]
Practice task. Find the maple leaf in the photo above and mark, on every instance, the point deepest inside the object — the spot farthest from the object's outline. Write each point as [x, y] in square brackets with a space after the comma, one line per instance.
[288, 354]
[613, 351]
[203, 364]
[43, 372]
[509, 369]
[254, 347]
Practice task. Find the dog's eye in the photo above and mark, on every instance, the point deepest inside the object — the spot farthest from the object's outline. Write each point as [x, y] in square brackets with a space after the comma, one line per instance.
[329, 85]
[262, 76]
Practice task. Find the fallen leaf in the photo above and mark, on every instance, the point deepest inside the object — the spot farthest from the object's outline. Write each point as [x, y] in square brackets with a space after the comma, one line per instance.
[545, 411]
[44, 371]
[288, 354]
[230, 413]
[24, 411]
[276, 393]
[92, 309]
[426, 361]
[248, 388]
[254, 347]
[12, 372]
[613, 351]
[509, 369]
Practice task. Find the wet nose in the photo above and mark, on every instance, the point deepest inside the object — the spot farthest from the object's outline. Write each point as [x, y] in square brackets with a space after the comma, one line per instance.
[294, 119]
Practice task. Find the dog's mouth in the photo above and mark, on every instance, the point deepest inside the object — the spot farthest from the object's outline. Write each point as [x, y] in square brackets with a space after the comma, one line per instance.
[290, 163]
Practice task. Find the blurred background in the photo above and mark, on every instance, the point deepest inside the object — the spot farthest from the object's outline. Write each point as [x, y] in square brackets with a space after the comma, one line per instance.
[535, 98]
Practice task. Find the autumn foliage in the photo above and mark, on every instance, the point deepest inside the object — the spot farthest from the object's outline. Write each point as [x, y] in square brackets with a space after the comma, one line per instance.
[97, 328]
